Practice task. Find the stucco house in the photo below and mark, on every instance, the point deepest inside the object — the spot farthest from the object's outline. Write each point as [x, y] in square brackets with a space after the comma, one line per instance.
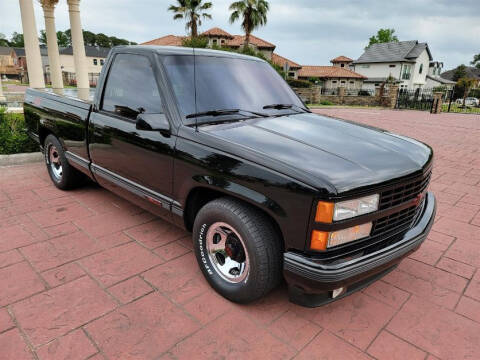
[95, 59]
[9, 66]
[406, 61]
[434, 79]
[219, 37]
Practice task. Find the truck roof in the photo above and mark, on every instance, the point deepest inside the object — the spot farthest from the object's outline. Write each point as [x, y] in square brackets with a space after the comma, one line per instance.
[177, 50]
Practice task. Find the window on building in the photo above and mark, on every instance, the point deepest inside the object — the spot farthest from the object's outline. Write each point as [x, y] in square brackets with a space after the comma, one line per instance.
[352, 82]
[223, 42]
[131, 87]
[95, 61]
[291, 74]
[365, 66]
[406, 72]
[343, 82]
[214, 41]
[420, 69]
[102, 62]
[377, 85]
[342, 65]
[391, 65]
[334, 81]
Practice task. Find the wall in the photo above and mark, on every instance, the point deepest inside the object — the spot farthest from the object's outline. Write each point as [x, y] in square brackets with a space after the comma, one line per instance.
[351, 100]
[418, 80]
[68, 64]
[378, 70]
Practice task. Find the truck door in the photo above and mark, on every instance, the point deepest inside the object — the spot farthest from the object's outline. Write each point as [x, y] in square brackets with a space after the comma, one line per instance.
[125, 158]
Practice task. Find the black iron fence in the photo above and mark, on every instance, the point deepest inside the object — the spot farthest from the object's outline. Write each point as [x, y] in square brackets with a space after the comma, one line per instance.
[458, 100]
[418, 99]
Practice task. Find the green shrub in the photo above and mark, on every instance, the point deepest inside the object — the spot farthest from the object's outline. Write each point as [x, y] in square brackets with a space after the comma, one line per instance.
[13, 138]
[299, 83]
[197, 42]
[326, 102]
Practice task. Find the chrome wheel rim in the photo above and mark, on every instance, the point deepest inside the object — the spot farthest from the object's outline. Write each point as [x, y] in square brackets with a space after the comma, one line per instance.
[55, 162]
[227, 252]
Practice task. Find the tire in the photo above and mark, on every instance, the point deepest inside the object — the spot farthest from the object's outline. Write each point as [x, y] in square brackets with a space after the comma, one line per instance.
[242, 227]
[63, 175]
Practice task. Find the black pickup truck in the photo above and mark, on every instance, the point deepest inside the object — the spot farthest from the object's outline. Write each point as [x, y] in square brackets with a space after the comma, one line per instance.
[218, 143]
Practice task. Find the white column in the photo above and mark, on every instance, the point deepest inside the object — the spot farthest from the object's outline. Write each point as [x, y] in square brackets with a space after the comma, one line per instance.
[32, 48]
[52, 45]
[81, 69]
[2, 98]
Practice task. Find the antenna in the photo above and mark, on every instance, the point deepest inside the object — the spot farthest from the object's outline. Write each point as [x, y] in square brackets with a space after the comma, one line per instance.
[195, 88]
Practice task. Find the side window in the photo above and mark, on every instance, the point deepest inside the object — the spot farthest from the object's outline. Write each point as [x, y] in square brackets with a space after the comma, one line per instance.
[95, 62]
[131, 88]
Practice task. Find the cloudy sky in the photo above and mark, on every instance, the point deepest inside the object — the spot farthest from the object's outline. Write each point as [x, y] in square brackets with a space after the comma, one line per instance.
[310, 32]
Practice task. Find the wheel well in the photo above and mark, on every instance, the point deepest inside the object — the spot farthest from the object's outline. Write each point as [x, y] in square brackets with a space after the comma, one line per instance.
[42, 134]
[199, 197]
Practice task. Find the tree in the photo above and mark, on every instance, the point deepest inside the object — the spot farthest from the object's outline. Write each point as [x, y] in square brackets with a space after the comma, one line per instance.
[3, 40]
[460, 72]
[467, 84]
[62, 39]
[192, 11]
[253, 14]
[68, 34]
[116, 41]
[17, 40]
[383, 36]
[476, 61]
[89, 38]
[102, 40]
[43, 37]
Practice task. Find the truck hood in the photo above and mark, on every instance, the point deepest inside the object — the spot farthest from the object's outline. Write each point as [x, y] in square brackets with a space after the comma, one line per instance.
[347, 156]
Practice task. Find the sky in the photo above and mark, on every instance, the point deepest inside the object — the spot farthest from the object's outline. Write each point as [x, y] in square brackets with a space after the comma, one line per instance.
[309, 32]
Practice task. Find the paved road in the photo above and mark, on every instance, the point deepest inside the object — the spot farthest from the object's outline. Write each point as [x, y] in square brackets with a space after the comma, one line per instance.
[85, 274]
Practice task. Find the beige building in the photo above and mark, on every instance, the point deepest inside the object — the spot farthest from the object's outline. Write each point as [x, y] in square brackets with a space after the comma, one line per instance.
[95, 58]
[9, 65]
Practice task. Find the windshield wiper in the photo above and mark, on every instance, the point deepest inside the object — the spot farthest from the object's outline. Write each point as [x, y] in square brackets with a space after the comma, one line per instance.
[220, 112]
[285, 106]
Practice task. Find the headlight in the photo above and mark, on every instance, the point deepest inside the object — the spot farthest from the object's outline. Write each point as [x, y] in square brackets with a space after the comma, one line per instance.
[328, 211]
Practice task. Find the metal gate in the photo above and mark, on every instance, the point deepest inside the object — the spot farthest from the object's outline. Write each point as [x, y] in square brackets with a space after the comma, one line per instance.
[418, 99]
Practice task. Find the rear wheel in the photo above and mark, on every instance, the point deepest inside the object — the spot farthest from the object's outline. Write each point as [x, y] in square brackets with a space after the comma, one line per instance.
[237, 249]
[63, 175]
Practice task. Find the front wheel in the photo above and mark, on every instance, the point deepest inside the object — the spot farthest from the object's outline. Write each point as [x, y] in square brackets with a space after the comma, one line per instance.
[237, 249]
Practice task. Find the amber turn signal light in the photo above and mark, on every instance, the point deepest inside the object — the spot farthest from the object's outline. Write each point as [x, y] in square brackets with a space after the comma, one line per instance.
[319, 240]
[324, 212]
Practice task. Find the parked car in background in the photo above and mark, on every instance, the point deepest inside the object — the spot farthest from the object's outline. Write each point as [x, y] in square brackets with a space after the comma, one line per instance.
[219, 143]
[469, 101]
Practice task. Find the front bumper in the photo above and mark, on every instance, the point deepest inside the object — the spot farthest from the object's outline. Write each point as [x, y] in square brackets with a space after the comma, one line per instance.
[305, 276]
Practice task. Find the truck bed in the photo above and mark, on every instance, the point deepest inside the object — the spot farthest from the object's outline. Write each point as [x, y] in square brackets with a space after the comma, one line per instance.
[63, 115]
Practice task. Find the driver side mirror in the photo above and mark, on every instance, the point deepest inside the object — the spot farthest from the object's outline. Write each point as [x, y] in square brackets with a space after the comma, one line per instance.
[153, 122]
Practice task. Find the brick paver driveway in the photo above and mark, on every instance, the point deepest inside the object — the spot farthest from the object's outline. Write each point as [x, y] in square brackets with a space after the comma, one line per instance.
[85, 274]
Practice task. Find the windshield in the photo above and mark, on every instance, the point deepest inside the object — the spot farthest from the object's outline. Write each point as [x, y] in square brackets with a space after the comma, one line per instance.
[227, 83]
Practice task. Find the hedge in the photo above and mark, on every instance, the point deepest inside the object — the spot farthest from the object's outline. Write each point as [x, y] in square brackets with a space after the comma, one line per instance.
[13, 138]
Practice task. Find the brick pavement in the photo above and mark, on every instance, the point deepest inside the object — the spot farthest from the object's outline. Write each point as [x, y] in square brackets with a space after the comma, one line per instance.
[87, 275]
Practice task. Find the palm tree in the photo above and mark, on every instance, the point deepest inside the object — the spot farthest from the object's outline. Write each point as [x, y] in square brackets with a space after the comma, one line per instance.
[192, 11]
[467, 84]
[253, 12]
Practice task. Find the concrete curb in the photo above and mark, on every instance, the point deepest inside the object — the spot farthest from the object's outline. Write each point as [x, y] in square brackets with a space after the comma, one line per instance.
[18, 159]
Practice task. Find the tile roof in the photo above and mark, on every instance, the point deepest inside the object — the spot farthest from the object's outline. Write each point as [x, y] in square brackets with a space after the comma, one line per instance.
[90, 51]
[280, 61]
[238, 40]
[439, 79]
[341, 58]
[217, 32]
[168, 40]
[328, 72]
[393, 52]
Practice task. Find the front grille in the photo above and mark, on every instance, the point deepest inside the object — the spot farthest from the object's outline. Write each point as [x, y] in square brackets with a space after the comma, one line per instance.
[394, 221]
[404, 192]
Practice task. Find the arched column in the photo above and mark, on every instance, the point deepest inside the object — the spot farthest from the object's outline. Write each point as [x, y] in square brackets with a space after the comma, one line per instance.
[81, 69]
[52, 44]
[32, 47]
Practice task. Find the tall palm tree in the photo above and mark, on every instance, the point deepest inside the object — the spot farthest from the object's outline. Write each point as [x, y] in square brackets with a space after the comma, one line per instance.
[253, 12]
[192, 11]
